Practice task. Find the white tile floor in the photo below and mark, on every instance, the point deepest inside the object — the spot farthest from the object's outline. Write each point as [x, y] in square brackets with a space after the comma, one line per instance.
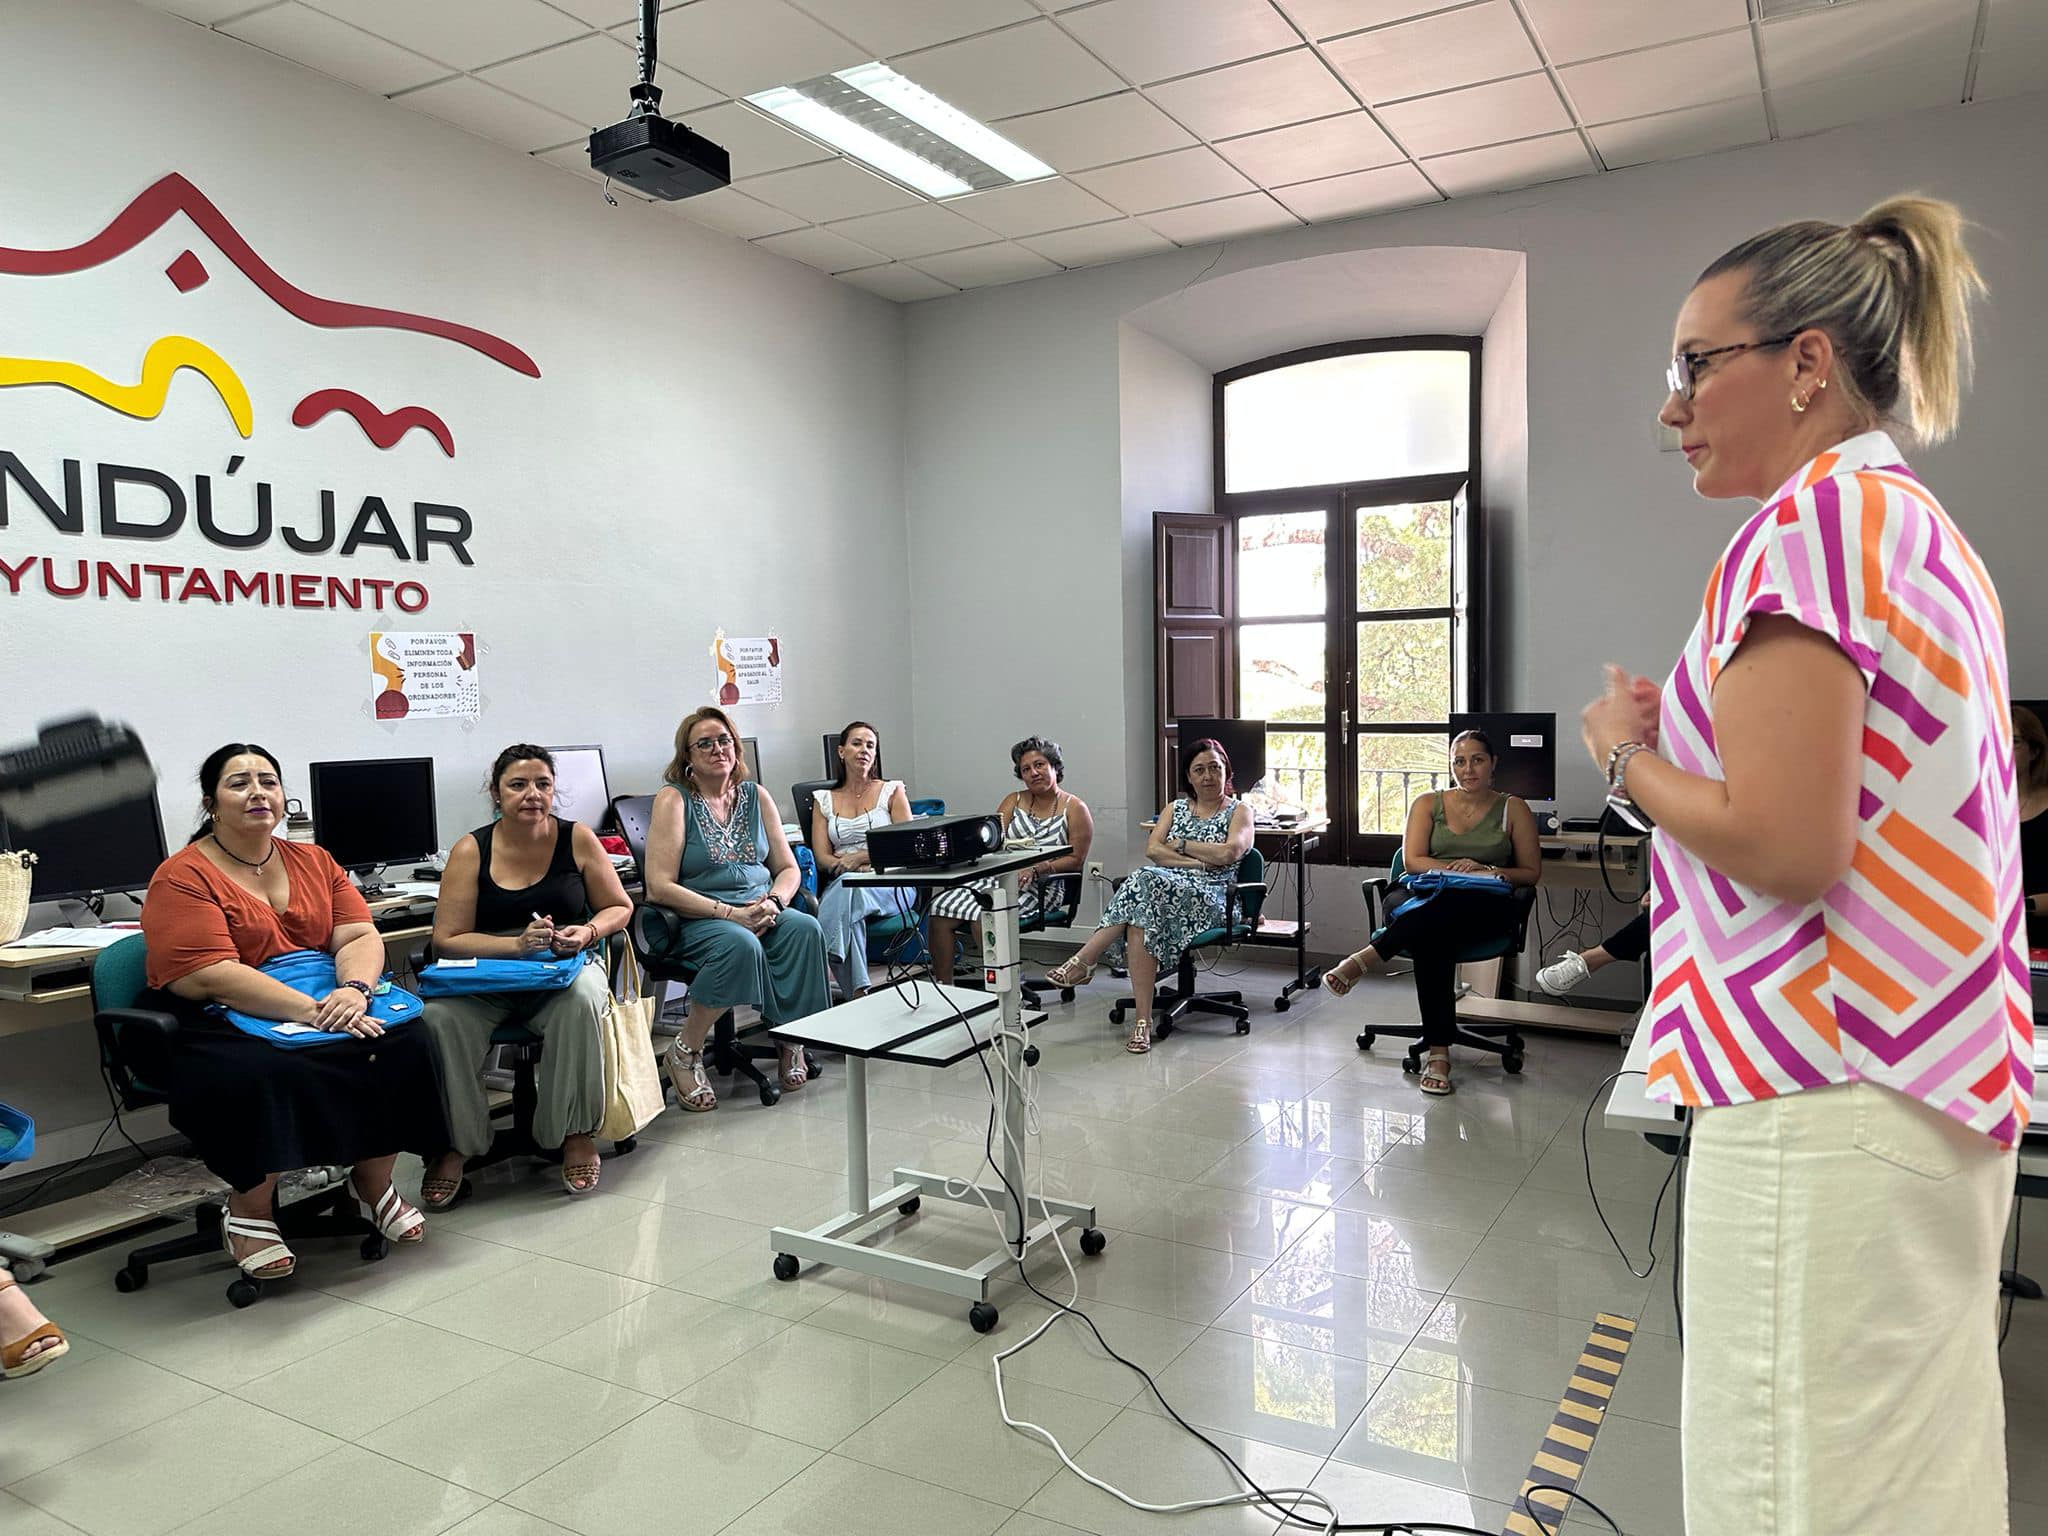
[1349, 1286]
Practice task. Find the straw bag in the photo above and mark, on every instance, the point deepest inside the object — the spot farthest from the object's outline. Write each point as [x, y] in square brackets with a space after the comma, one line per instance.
[17, 873]
[632, 1079]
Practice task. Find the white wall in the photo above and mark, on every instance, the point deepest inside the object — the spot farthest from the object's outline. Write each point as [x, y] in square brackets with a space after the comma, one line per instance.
[1609, 546]
[716, 437]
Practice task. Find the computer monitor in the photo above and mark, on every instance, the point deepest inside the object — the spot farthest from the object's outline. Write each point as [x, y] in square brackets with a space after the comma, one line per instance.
[750, 754]
[1526, 750]
[375, 811]
[93, 855]
[2038, 706]
[582, 792]
[1243, 740]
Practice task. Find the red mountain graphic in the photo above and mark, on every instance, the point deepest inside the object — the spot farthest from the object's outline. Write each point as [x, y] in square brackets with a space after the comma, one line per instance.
[153, 208]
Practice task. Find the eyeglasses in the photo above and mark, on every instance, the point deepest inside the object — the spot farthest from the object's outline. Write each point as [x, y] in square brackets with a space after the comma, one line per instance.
[712, 743]
[1683, 376]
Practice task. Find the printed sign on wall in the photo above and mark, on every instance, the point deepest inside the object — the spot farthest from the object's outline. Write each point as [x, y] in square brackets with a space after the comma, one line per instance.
[749, 670]
[423, 676]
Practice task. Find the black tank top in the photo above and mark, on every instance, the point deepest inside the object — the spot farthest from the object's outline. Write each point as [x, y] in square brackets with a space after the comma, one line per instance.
[558, 894]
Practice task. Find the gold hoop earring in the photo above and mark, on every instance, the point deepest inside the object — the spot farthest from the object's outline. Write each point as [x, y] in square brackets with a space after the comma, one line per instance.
[1799, 405]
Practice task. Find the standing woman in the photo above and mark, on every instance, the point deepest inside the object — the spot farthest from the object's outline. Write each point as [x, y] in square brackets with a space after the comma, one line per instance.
[840, 820]
[1841, 986]
[716, 855]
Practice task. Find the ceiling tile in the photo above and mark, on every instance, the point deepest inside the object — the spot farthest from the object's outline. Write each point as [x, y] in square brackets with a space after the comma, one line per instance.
[906, 285]
[1244, 98]
[1436, 53]
[464, 33]
[1868, 36]
[742, 46]
[1123, 127]
[1024, 69]
[205, 12]
[1327, 18]
[1501, 166]
[1675, 135]
[2015, 53]
[1148, 40]
[757, 144]
[822, 249]
[906, 232]
[737, 214]
[600, 13]
[987, 265]
[1823, 104]
[1099, 243]
[1664, 79]
[889, 27]
[1584, 29]
[486, 110]
[1346, 197]
[318, 41]
[588, 80]
[834, 189]
[1309, 151]
[1481, 114]
[1034, 208]
[576, 157]
[1227, 218]
[1164, 181]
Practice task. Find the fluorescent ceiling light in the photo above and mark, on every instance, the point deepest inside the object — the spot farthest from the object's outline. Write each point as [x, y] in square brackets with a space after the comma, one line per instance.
[895, 125]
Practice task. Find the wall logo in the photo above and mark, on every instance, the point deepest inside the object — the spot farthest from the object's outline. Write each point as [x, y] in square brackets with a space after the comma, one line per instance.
[163, 361]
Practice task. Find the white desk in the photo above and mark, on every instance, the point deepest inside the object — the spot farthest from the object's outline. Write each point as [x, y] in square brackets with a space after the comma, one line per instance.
[932, 1025]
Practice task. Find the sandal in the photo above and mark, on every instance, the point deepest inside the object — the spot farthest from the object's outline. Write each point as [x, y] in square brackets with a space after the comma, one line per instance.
[1070, 972]
[1337, 983]
[399, 1222]
[438, 1194]
[1436, 1077]
[273, 1261]
[1141, 1038]
[795, 1071]
[23, 1356]
[686, 1073]
[580, 1177]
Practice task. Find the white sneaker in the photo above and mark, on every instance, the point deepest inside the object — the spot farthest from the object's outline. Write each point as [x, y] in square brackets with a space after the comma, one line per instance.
[1564, 976]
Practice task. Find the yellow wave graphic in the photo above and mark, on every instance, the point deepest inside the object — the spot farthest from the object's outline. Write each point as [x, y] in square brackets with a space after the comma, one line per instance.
[166, 355]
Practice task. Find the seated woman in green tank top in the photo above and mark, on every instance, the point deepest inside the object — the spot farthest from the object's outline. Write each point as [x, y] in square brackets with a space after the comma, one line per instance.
[1471, 829]
[717, 855]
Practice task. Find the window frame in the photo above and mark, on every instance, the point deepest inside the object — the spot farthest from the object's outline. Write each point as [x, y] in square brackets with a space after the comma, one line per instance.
[1341, 503]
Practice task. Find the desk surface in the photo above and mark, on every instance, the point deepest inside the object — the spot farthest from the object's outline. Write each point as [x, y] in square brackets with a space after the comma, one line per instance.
[888, 1018]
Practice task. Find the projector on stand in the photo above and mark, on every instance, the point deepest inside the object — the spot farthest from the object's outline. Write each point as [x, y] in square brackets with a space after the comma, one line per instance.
[933, 842]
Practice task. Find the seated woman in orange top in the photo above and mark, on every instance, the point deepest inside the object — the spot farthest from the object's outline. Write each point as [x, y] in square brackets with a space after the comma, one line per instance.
[234, 897]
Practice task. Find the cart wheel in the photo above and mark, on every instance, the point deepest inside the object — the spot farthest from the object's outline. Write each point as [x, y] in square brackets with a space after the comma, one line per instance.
[373, 1247]
[910, 1206]
[1092, 1242]
[130, 1278]
[1066, 994]
[243, 1292]
[1511, 1063]
[786, 1266]
[982, 1315]
[1365, 1040]
[1282, 1003]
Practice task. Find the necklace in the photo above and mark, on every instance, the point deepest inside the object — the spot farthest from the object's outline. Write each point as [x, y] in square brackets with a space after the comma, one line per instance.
[224, 848]
[1031, 805]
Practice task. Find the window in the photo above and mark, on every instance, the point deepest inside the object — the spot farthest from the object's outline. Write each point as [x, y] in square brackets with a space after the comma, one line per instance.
[1342, 608]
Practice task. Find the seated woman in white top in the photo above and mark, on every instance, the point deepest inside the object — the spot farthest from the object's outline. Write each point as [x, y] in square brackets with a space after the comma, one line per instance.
[840, 819]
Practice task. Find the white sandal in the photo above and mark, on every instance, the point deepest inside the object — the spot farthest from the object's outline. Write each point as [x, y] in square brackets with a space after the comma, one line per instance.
[686, 1074]
[1070, 972]
[398, 1221]
[1141, 1038]
[262, 1264]
[1436, 1077]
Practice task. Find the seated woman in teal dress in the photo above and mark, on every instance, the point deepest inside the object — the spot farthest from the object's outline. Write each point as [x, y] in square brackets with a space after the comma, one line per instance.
[716, 854]
[1195, 848]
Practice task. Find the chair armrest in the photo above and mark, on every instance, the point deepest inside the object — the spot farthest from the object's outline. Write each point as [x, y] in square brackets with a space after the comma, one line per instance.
[655, 932]
[804, 901]
[1237, 887]
[138, 1041]
[1375, 894]
[148, 1023]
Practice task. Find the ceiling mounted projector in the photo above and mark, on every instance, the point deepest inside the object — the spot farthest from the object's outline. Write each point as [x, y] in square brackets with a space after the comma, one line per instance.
[647, 152]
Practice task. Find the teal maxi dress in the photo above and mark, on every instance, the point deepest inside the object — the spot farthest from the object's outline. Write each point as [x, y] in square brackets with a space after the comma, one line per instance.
[780, 972]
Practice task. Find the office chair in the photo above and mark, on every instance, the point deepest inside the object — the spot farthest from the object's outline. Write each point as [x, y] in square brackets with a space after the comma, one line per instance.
[135, 1046]
[653, 934]
[1502, 1038]
[1247, 894]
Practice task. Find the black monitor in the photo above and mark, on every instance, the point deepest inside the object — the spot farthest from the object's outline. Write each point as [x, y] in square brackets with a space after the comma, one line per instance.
[2038, 706]
[582, 792]
[98, 854]
[374, 812]
[1525, 746]
[750, 754]
[1243, 740]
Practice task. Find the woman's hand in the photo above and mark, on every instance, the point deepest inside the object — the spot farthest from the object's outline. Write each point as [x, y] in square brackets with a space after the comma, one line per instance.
[346, 1011]
[855, 859]
[538, 935]
[757, 917]
[1465, 867]
[1627, 710]
[574, 938]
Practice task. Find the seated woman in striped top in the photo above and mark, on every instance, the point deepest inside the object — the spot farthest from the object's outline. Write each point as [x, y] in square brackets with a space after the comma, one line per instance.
[1041, 813]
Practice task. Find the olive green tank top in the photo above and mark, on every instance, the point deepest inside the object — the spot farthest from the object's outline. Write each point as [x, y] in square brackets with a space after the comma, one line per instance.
[1487, 843]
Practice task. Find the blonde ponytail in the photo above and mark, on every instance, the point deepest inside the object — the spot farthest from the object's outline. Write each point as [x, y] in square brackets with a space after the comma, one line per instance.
[1939, 280]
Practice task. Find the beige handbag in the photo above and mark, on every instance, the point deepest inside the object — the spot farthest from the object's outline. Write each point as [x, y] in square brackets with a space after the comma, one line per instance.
[632, 1078]
[17, 873]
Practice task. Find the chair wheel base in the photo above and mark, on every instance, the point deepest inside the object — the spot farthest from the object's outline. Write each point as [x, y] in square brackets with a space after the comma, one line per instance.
[1116, 1013]
[129, 1279]
[373, 1248]
[243, 1292]
[1282, 1003]
[1511, 1064]
[1066, 994]
[786, 1266]
[1365, 1040]
[771, 1093]
[1244, 1026]
[1092, 1242]
[982, 1316]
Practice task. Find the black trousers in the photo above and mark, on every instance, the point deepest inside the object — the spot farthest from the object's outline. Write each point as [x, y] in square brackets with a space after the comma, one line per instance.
[1433, 933]
[1631, 941]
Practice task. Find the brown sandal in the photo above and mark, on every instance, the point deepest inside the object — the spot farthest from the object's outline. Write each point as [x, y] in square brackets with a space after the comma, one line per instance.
[1141, 1038]
[439, 1194]
[16, 1357]
[686, 1073]
[581, 1178]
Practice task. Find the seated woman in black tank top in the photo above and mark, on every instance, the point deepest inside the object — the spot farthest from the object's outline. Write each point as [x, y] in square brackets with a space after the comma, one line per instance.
[525, 886]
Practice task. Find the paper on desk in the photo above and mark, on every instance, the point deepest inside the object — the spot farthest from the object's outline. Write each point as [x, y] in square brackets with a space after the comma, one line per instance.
[77, 938]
